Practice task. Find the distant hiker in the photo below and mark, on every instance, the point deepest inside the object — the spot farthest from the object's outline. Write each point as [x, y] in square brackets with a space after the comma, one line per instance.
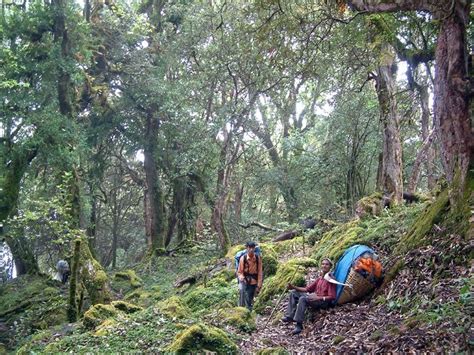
[62, 268]
[319, 295]
[250, 274]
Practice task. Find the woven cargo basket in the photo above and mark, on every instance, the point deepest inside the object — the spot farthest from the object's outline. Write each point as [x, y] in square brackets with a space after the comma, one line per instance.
[361, 287]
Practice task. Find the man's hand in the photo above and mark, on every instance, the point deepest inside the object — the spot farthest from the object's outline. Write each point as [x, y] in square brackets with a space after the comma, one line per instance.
[242, 279]
[257, 290]
[312, 297]
[290, 287]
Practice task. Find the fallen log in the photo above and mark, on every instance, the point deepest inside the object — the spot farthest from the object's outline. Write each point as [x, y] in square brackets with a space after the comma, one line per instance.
[286, 235]
[260, 225]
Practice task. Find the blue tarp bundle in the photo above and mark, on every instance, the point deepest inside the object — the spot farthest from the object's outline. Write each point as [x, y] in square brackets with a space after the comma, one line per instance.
[345, 262]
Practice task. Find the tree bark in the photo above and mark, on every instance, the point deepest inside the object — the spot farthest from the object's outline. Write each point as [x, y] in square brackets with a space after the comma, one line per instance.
[218, 211]
[154, 210]
[452, 89]
[420, 157]
[392, 147]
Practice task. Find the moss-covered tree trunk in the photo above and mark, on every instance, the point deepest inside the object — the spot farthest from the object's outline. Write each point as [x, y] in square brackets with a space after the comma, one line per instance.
[20, 158]
[72, 310]
[154, 209]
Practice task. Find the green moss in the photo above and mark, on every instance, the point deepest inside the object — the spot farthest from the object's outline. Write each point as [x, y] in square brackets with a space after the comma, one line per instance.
[174, 307]
[105, 327]
[273, 351]
[97, 314]
[288, 246]
[27, 304]
[369, 205]
[130, 276]
[205, 299]
[201, 337]
[423, 224]
[239, 317]
[335, 242]
[338, 339]
[292, 271]
[137, 294]
[126, 307]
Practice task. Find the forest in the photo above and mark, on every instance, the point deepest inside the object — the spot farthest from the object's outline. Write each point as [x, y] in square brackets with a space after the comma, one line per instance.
[144, 142]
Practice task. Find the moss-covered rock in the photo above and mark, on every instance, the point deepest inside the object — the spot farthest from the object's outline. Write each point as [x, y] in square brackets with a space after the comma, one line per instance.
[370, 205]
[333, 243]
[130, 276]
[205, 299]
[239, 317]
[292, 271]
[105, 327]
[174, 307]
[288, 246]
[201, 337]
[99, 313]
[126, 307]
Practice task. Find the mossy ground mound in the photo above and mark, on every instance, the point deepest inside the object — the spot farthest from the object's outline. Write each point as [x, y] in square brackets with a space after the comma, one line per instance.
[201, 337]
[202, 300]
[124, 282]
[239, 317]
[292, 271]
[28, 304]
[99, 313]
[174, 307]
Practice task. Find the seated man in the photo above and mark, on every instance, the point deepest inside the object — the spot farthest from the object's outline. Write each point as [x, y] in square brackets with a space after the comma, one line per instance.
[319, 295]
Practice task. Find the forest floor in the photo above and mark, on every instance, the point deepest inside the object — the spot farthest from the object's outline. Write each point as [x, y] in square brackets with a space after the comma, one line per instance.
[426, 306]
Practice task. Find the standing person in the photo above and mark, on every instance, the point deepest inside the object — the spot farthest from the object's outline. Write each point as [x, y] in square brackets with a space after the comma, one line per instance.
[250, 274]
[319, 295]
[63, 270]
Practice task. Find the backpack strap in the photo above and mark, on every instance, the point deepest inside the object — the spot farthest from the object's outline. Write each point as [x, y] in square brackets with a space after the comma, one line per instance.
[246, 268]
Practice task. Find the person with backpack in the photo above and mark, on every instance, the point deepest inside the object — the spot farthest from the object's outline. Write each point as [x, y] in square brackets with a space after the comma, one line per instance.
[249, 274]
[62, 268]
[321, 294]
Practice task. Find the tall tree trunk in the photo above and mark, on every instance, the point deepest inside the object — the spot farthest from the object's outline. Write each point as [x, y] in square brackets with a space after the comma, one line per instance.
[219, 208]
[154, 211]
[237, 204]
[392, 147]
[425, 133]
[451, 90]
[420, 157]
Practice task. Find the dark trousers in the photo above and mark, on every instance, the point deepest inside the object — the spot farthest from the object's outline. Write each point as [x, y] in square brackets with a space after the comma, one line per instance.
[246, 295]
[297, 305]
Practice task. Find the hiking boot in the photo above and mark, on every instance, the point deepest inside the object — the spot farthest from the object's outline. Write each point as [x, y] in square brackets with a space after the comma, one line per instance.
[298, 329]
[287, 319]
